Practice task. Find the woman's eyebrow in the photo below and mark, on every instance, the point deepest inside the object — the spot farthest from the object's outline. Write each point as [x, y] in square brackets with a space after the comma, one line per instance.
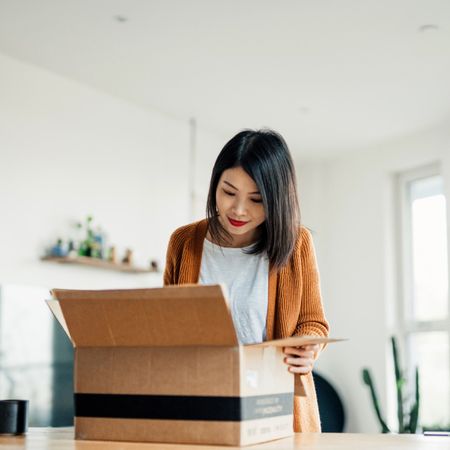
[229, 184]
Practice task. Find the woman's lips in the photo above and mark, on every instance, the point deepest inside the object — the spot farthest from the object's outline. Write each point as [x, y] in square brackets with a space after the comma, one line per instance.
[236, 223]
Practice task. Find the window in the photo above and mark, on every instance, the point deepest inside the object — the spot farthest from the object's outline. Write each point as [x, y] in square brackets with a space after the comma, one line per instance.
[424, 309]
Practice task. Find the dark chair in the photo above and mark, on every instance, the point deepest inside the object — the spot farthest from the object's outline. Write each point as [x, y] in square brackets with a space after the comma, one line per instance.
[331, 409]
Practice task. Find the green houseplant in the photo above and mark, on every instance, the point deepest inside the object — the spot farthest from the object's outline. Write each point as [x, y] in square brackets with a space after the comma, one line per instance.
[407, 421]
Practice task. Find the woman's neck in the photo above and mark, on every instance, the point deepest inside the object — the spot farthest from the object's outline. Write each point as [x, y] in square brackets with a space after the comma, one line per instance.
[236, 241]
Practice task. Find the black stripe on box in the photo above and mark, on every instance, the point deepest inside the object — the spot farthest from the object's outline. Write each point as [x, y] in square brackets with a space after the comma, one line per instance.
[174, 407]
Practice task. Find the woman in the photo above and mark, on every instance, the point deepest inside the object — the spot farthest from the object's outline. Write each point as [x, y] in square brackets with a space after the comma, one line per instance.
[252, 241]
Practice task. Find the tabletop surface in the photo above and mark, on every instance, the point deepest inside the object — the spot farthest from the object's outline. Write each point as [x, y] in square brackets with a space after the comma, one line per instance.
[62, 439]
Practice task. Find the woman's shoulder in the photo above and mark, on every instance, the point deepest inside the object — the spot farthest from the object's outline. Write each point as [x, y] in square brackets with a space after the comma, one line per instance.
[304, 238]
[304, 233]
[186, 232]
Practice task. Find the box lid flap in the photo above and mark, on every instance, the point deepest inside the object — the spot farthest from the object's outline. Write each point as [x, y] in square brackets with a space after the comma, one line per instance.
[186, 315]
[297, 341]
[55, 308]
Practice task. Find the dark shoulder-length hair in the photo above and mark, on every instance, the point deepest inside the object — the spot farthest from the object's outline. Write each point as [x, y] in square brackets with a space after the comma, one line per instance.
[264, 155]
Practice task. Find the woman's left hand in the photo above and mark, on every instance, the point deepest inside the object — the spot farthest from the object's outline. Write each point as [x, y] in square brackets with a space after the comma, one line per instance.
[301, 359]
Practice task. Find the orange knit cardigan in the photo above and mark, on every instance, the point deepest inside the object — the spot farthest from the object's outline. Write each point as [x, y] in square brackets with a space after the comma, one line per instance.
[294, 303]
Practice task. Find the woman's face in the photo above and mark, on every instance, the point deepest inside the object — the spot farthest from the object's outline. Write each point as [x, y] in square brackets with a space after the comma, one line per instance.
[240, 206]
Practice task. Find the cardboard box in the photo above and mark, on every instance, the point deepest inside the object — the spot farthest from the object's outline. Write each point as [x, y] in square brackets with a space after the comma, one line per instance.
[165, 365]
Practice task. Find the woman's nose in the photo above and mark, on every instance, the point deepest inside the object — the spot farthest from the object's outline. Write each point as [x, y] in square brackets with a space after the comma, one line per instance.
[239, 207]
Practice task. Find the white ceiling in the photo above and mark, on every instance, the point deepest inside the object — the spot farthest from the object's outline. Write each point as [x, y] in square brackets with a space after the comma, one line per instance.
[331, 75]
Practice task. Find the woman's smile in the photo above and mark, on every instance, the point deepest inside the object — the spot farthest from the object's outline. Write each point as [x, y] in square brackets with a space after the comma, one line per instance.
[237, 223]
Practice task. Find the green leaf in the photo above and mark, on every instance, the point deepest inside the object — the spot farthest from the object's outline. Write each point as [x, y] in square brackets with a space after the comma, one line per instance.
[367, 378]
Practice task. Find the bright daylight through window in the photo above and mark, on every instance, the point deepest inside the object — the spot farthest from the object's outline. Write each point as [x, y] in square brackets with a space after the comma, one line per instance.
[425, 307]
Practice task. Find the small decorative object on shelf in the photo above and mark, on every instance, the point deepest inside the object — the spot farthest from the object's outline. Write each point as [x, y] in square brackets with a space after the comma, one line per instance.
[128, 258]
[71, 251]
[111, 254]
[58, 249]
[92, 245]
[90, 249]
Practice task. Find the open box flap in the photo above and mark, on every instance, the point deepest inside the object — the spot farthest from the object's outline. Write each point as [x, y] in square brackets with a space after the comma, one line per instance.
[55, 308]
[297, 341]
[185, 315]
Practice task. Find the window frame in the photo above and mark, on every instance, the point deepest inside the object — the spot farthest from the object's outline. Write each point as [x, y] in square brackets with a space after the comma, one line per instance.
[407, 325]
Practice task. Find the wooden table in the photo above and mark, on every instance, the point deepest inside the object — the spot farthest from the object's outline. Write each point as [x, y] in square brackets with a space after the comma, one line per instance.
[62, 439]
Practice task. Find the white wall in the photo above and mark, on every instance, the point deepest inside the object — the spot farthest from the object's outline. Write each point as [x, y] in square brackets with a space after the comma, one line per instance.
[349, 203]
[208, 147]
[66, 151]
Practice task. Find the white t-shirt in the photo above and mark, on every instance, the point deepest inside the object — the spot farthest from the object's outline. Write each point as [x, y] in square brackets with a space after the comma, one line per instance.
[247, 280]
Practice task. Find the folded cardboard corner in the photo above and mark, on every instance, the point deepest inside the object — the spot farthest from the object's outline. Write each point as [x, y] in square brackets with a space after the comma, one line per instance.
[165, 365]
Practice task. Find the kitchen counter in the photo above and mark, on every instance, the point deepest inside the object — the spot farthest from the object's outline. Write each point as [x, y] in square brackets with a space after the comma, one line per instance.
[62, 439]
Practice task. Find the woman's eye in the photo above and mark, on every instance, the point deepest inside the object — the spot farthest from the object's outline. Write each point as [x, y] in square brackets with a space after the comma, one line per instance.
[228, 193]
[255, 200]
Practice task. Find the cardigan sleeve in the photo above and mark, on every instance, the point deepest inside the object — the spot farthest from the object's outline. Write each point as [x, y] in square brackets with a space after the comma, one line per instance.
[181, 257]
[169, 269]
[171, 259]
[311, 320]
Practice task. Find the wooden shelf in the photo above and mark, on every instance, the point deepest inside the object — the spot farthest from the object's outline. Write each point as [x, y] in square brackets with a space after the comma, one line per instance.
[95, 262]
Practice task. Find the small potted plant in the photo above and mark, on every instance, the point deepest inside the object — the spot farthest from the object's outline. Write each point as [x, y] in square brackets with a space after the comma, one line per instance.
[407, 422]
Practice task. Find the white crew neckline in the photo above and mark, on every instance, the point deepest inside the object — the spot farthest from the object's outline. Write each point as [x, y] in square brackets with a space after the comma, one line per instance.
[227, 249]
